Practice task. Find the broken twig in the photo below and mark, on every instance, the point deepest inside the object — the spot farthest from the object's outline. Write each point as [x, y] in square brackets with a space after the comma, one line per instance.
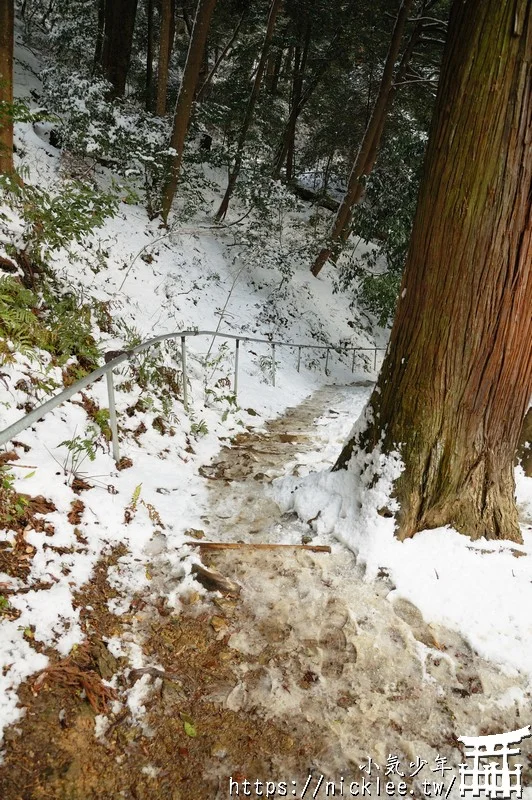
[213, 580]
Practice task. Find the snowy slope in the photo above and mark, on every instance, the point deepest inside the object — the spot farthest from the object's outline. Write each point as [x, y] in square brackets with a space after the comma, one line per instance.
[480, 589]
[151, 281]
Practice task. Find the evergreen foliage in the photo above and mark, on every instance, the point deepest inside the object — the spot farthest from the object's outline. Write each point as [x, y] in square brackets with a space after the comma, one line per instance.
[322, 74]
[35, 312]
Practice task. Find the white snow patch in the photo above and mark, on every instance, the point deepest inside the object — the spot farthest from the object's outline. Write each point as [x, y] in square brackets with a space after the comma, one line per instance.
[481, 589]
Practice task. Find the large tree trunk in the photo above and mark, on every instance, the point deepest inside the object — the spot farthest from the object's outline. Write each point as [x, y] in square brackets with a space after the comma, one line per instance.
[457, 378]
[185, 99]
[370, 142]
[237, 163]
[117, 42]
[7, 21]
[164, 56]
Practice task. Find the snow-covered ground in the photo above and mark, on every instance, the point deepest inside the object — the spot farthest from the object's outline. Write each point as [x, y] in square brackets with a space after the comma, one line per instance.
[155, 281]
[480, 589]
[152, 282]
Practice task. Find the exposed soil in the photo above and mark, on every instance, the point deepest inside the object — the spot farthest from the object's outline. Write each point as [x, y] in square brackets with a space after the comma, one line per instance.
[307, 671]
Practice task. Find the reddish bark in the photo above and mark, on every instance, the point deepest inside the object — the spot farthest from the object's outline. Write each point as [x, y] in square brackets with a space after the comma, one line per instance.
[457, 378]
[7, 21]
[185, 99]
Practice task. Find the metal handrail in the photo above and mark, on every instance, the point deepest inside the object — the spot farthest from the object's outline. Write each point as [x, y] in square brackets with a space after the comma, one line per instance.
[113, 360]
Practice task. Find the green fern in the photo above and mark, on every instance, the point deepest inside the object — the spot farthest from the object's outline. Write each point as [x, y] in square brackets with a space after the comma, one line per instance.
[61, 326]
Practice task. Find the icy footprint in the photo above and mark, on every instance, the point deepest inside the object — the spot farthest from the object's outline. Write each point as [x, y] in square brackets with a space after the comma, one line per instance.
[412, 616]
[336, 651]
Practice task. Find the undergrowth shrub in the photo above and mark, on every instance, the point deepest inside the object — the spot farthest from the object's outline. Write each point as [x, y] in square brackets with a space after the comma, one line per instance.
[60, 325]
[35, 312]
[34, 222]
[12, 504]
[384, 220]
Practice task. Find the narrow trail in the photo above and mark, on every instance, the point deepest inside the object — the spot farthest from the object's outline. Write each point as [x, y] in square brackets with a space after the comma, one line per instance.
[327, 652]
[305, 674]
[293, 444]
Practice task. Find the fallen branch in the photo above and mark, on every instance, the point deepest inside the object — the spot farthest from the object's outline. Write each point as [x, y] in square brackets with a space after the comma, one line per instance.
[313, 548]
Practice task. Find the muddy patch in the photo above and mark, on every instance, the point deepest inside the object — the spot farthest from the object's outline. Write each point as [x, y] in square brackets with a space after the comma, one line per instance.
[186, 740]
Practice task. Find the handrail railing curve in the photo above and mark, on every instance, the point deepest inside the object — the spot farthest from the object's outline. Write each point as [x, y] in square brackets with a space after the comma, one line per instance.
[114, 358]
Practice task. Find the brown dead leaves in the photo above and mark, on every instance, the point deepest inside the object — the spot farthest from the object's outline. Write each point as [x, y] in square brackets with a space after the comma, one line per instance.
[77, 507]
[78, 672]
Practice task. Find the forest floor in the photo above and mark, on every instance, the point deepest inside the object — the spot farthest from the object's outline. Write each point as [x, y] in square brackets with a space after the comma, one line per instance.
[306, 670]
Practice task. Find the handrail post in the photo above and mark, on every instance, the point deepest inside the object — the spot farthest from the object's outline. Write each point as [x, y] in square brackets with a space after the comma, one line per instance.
[237, 350]
[184, 370]
[353, 361]
[326, 360]
[298, 358]
[375, 361]
[273, 365]
[112, 415]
